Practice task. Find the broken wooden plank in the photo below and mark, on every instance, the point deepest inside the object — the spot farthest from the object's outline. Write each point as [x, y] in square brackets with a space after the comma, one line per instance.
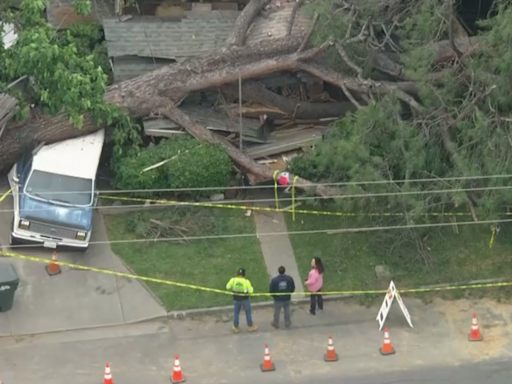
[286, 144]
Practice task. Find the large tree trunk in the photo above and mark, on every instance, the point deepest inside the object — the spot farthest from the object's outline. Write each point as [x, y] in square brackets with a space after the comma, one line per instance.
[145, 94]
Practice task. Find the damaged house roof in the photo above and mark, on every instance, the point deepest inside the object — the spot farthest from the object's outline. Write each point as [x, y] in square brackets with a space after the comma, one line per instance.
[60, 13]
[142, 44]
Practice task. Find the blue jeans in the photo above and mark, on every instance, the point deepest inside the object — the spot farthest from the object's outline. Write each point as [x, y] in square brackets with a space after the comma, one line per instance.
[237, 306]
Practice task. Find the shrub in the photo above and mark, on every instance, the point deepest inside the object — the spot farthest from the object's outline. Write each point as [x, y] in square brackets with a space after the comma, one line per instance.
[191, 164]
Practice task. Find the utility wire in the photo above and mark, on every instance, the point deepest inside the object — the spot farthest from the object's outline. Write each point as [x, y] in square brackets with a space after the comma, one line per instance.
[317, 231]
[303, 198]
[346, 183]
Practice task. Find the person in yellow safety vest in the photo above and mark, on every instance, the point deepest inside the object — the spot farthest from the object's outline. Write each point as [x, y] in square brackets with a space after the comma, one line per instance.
[240, 284]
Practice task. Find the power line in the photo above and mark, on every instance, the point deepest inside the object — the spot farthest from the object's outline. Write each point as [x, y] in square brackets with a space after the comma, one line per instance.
[303, 198]
[317, 231]
[250, 187]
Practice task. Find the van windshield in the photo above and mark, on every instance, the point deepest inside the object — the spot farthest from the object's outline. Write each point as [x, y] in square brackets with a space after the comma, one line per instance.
[60, 188]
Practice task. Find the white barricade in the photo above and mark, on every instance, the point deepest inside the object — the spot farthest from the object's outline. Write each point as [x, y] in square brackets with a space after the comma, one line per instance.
[386, 305]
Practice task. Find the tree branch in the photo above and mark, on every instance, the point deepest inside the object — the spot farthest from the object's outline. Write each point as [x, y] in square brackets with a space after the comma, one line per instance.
[458, 53]
[309, 34]
[244, 21]
[295, 9]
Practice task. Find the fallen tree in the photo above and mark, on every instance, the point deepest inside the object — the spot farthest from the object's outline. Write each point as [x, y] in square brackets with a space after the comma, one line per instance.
[161, 90]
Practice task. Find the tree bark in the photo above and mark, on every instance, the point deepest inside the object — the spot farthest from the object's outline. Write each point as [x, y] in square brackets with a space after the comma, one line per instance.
[337, 79]
[22, 136]
[255, 92]
[244, 21]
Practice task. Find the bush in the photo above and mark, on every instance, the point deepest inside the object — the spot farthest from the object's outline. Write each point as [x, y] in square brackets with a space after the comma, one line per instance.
[192, 164]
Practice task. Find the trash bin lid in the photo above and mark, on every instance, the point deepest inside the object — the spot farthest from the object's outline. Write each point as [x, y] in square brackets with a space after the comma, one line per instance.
[8, 274]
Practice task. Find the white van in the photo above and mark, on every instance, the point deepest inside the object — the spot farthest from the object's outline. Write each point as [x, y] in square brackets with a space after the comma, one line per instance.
[54, 193]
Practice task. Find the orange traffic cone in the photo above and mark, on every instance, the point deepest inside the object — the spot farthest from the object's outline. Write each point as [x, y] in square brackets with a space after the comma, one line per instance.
[177, 374]
[267, 365]
[107, 379]
[387, 348]
[331, 354]
[53, 268]
[475, 334]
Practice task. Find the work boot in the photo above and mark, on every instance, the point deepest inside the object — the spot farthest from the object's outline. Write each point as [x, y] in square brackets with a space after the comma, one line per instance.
[236, 329]
[276, 326]
[253, 328]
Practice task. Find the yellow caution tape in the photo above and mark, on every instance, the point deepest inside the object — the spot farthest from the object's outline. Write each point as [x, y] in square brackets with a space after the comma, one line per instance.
[226, 292]
[246, 207]
[2, 198]
[493, 235]
[293, 196]
[268, 209]
[275, 188]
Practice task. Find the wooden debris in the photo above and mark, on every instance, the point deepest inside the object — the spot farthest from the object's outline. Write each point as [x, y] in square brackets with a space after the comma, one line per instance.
[286, 143]
[212, 120]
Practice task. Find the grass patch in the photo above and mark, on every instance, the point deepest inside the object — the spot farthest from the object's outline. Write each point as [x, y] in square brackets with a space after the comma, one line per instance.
[208, 262]
[350, 258]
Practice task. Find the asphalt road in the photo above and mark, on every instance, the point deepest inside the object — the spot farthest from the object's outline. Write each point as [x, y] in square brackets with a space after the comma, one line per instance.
[490, 372]
[209, 354]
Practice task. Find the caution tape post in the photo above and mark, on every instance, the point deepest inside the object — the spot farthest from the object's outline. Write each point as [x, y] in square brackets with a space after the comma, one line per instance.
[386, 306]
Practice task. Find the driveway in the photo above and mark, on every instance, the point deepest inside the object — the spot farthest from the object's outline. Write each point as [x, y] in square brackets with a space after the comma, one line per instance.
[74, 299]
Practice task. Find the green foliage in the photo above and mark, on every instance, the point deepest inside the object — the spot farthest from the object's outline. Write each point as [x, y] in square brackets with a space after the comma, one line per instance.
[68, 70]
[355, 151]
[63, 78]
[89, 41]
[191, 164]
[82, 7]
[331, 26]
[426, 22]
[385, 141]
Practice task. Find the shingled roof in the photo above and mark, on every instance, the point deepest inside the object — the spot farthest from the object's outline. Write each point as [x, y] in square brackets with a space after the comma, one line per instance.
[151, 36]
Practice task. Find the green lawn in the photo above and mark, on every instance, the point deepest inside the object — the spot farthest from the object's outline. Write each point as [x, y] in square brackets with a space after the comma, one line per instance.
[207, 262]
[350, 258]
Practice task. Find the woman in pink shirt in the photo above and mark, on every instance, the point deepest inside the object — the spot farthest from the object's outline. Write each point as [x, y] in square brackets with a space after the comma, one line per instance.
[314, 282]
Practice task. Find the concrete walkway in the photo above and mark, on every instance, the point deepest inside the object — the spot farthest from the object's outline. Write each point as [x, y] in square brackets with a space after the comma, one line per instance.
[74, 299]
[276, 250]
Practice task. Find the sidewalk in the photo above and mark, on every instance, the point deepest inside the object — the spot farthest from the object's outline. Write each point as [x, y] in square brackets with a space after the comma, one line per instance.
[276, 250]
[210, 353]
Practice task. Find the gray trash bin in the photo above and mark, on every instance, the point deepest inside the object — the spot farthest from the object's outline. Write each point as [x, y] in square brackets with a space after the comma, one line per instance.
[9, 281]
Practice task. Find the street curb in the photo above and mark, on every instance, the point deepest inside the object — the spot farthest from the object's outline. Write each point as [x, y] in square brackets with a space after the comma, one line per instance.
[89, 327]
[178, 315]
[142, 282]
[175, 315]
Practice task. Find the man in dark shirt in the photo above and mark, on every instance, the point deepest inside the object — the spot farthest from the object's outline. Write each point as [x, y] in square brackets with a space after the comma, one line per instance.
[282, 284]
